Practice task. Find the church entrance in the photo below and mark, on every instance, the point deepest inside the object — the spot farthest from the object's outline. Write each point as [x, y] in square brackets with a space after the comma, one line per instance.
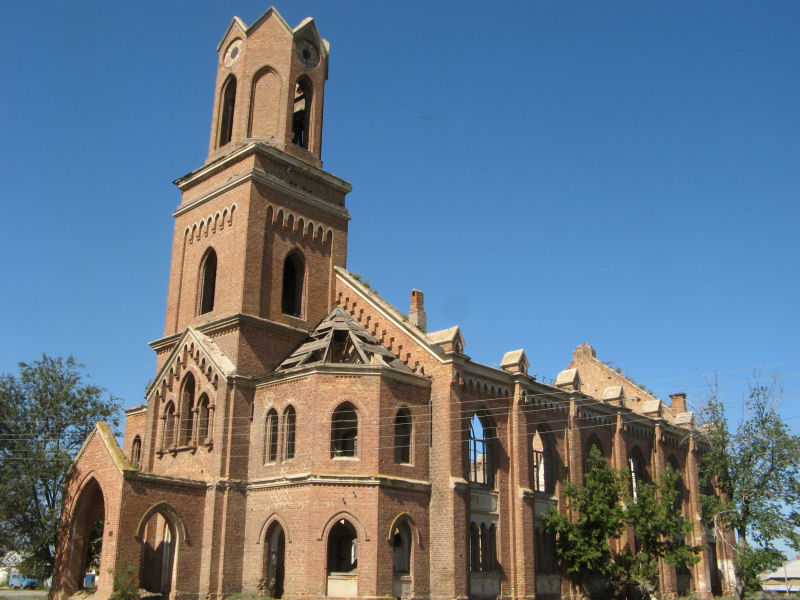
[87, 538]
[343, 560]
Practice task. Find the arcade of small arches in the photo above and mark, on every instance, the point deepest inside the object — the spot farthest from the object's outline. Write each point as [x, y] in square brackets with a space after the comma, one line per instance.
[187, 422]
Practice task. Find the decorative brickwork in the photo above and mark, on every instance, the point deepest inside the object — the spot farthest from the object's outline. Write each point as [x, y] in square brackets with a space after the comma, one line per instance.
[302, 438]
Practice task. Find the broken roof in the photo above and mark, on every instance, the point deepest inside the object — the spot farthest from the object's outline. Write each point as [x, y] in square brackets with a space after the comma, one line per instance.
[340, 339]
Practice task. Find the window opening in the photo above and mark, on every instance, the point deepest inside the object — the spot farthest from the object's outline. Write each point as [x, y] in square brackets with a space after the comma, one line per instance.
[136, 451]
[342, 548]
[401, 543]
[289, 418]
[202, 419]
[344, 431]
[474, 547]
[593, 443]
[271, 436]
[481, 459]
[301, 113]
[402, 437]
[209, 280]
[187, 411]
[228, 100]
[638, 472]
[292, 297]
[542, 463]
[169, 426]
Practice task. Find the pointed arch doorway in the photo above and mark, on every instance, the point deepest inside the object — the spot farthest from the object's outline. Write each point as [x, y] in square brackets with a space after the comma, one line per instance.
[158, 555]
[274, 561]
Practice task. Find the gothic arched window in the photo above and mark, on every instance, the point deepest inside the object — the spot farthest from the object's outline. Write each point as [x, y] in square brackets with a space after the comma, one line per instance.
[203, 417]
[293, 274]
[289, 419]
[226, 115]
[592, 445]
[208, 282]
[168, 438]
[401, 543]
[136, 451]
[638, 471]
[187, 411]
[543, 462]
[402, 437]
[481, 451]
[271, 437]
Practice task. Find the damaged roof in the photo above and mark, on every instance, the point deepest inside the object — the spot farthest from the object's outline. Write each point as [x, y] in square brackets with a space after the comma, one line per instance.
[340, 339]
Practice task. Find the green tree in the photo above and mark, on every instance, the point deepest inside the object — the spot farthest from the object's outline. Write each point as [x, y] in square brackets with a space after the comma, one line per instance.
[595, 515]
[599, 511]
[755, 468]
[660, 533]
[46, 412]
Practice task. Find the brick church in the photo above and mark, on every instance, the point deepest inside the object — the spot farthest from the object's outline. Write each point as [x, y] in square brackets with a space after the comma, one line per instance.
[304, 438]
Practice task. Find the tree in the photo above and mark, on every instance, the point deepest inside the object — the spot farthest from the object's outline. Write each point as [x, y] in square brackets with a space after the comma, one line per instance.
[603, 507]
[46, 413]
[755, 470]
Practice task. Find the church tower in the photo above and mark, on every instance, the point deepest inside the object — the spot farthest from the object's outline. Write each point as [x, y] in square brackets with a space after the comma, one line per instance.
[261, 225]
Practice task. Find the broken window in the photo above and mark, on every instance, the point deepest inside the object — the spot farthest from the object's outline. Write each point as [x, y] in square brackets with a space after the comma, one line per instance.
[293, 273]
[342, 548]
[271, 437]
[481, 451]
[543, 464]
[168, 439]
[202, 419]
[301, 113]
[288, 428]
[209, 282]
[226, 121]
[638, 472]
[136, 451]
[344, 431]
[402, 437]
[187, 411]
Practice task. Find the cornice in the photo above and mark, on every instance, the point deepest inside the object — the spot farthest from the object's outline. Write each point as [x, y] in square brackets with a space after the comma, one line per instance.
[307, 479]
[310, 171]
[348, 370]
[166, 480]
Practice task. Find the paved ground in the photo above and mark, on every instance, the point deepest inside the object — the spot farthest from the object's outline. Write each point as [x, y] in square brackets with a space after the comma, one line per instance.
[22, 594]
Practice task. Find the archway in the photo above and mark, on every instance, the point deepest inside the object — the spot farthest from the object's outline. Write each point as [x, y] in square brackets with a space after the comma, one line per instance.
[401, 540]
[342, 568]
[159, 540]
[274, 567]
[88, 529]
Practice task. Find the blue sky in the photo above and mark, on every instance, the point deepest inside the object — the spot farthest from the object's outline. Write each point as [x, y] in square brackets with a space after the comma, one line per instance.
[624, 174]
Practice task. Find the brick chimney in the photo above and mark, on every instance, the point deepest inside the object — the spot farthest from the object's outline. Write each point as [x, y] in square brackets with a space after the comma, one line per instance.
[417, 313]
[678, 402]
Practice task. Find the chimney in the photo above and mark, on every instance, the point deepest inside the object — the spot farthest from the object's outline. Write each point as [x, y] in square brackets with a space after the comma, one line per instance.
[417, 313]
[678, 402]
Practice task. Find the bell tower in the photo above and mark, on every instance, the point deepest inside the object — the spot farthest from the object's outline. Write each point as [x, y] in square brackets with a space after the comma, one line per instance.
[260, 225]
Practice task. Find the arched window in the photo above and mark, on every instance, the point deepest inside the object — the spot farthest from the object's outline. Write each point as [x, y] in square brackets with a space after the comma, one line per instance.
[638, 471]
[202, 419]
[592, 445]
[168, 439]
[226, 116]
[208, 281]
[289, 419]
[402, 437]
[302, 113]
[474, 547]
[544, 550]
[136, 451]
[342, 548]
[271, 437]
[344, 431]
[677, 505]
[543, 462]
[293, 274]
[481, 451]
[401, 544]
[187, 411]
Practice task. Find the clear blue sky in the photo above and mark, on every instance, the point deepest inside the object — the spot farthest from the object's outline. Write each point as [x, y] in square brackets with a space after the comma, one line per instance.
[625, 174]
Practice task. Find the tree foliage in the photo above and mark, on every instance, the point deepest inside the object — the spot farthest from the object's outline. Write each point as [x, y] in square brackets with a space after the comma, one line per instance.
[46, 412]
[755, 468]
[600, 510]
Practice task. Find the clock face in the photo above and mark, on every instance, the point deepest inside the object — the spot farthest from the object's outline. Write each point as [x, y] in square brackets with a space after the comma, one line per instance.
[233, 52]
[308, 53]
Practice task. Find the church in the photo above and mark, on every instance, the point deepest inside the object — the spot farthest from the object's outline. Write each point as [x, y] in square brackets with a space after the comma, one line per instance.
[302, 438]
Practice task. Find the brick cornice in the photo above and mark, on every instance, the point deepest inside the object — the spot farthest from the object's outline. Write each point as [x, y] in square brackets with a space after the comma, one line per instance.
[312, 479]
